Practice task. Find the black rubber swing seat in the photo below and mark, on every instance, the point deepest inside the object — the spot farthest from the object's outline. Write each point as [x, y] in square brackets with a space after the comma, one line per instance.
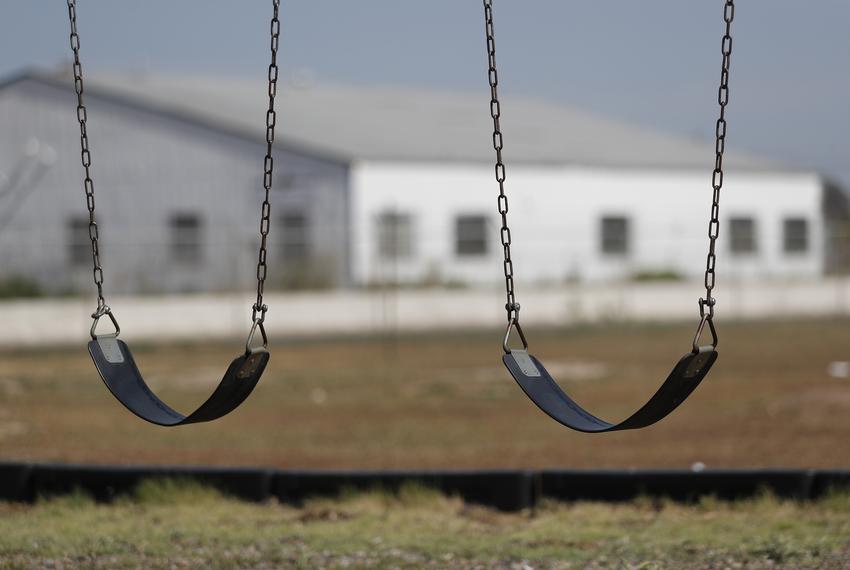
[545, 392]
[119, 372]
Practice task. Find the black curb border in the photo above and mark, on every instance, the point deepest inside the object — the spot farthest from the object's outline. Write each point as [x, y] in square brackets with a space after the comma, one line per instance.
[507, 490]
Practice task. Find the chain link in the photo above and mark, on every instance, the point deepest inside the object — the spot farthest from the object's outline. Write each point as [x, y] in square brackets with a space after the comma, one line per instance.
[717, 175]
[511, 305]
[259, 309]
[85, 156]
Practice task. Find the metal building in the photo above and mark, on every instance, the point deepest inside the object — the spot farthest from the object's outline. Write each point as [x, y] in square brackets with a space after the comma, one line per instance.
[376, 185]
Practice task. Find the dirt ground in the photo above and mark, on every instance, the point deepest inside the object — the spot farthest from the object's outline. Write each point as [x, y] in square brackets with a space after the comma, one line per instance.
[445, 401]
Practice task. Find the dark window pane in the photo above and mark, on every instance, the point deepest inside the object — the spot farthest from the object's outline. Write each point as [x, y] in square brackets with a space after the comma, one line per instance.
[742, 235]
[79, 243]
[294, 236]
[395, 235]
[615, 235]
[795, 235]
[186, 244]
[471, 235]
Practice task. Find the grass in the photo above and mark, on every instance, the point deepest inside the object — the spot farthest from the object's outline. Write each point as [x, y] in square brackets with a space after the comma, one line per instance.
[445, 400]
[179, 524]
[438, 401]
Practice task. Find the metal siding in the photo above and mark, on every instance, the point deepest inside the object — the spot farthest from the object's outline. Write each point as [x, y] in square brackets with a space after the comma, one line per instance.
[146, 167]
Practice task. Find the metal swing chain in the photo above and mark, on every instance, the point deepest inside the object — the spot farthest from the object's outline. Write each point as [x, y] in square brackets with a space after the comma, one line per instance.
[259, 309]
[511, 306]
[706, 305]
[85, 155]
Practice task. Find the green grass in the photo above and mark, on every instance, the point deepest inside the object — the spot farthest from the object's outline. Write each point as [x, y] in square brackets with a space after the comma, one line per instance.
[179, 524]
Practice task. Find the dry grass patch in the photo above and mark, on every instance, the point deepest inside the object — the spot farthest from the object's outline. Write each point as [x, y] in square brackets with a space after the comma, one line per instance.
[444, 400]
[178, 524]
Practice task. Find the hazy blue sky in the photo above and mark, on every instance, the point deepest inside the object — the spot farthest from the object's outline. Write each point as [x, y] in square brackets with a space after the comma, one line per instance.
[654, 62]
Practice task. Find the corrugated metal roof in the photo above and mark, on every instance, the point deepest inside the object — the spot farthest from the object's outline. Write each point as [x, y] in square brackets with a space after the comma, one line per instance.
[401, 124]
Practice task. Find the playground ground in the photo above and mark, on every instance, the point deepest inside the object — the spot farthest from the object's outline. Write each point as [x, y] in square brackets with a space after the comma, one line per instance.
[173, 525]
[438, 401]
[445, 401]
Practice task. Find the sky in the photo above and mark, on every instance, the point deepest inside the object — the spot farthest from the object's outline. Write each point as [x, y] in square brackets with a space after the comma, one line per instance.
[655, 63]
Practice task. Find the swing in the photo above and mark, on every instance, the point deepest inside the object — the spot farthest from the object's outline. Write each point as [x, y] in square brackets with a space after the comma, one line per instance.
[111, 356]
[686, 375]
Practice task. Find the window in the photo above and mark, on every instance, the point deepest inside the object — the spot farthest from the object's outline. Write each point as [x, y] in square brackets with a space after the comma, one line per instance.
[395, 235]
[294, 236]
[79, 243]
[742, 235]
[186, 243]
[795, 235]
[615, 235]
[471, 235]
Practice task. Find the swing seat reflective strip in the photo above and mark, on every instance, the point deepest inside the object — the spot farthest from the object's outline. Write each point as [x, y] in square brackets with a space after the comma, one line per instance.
[119, 372]
[539, 385]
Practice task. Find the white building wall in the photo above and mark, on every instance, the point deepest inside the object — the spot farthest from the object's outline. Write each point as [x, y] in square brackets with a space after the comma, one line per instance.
[555, 217]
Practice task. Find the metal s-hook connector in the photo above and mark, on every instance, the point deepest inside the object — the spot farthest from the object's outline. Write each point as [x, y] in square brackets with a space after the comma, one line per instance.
[258, 312]
[706, 317]
[101, 311]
